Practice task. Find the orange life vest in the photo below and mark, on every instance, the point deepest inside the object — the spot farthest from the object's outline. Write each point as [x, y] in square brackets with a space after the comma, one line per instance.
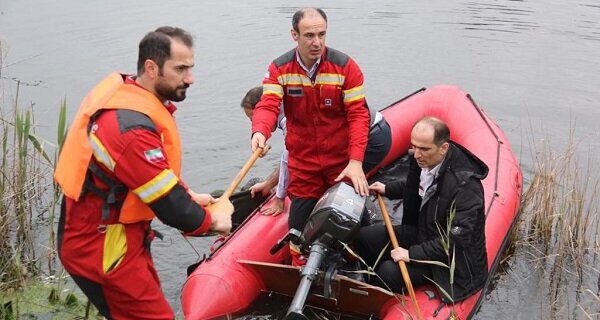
[76, 154]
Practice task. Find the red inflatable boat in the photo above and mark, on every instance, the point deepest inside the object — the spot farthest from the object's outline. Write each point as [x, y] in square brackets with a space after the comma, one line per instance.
[230, 280]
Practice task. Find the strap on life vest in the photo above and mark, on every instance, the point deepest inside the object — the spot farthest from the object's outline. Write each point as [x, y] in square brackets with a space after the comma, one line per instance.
[114, 186]
[110, 196]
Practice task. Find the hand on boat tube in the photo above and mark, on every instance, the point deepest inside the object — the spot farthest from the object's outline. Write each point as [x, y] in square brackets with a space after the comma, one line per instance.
[354, 172]
[275, 208]
[378, 187]
[259, 141]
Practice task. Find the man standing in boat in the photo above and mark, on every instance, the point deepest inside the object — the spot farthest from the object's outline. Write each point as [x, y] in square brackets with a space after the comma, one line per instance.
[119, 168]
[327, 117]
[443, 217]
[378, 145]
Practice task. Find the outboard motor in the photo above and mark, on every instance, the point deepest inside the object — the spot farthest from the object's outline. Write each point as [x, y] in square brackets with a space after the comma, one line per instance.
[336, 216]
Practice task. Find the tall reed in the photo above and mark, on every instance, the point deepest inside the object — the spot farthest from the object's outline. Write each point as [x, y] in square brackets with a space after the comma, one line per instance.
[6, 267]
[561, 220]
[20, 173]
[25, 172]
[25, 181]
[61, 135]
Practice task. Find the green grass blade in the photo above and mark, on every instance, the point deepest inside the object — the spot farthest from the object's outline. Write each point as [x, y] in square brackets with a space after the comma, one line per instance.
[442, 291]
[452, 265]
[39, 147]
[433, 262]
[62, 124]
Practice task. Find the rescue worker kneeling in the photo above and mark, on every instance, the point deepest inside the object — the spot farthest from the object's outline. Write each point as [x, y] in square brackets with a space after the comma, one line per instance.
[119, 168]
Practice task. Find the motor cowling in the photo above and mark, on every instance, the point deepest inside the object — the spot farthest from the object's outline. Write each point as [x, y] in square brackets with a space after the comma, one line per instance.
[336, 216]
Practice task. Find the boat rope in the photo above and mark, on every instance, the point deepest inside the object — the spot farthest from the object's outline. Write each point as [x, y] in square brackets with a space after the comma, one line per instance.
[188, 241]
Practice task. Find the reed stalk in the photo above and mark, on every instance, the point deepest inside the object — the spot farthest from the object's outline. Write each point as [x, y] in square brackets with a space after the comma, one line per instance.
[24, 170]
[5, 243]
[561, 218]
[61, 135]
[23, 189]
[17, 243]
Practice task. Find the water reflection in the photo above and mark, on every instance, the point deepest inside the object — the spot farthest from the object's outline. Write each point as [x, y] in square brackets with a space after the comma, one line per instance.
[588, 24]
[509, 18]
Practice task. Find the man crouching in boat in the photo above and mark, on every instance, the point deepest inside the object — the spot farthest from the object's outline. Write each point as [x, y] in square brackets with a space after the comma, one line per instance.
[119, 168]
[443, 190]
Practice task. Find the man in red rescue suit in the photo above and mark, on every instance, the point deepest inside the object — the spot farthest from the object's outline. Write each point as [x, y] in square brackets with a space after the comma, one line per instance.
[119, 168]
[327, 117]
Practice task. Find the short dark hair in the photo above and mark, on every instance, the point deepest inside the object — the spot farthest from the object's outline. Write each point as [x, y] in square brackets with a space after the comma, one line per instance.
[441, 132]
[156, 46]
[298, 15]
[252, 97]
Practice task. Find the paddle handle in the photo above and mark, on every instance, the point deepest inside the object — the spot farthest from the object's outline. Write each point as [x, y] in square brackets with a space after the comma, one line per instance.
[240, 176]
[403, 270]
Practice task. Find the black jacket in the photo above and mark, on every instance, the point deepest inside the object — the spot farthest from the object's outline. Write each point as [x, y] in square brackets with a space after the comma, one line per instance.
[458, 185]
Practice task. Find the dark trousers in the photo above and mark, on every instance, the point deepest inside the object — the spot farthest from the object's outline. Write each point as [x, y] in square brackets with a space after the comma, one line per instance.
[300, 210]
[372, 240]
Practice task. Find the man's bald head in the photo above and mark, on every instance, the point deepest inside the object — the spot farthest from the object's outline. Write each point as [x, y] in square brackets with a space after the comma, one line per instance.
[430, 138]
[441, 133]
[311, 11]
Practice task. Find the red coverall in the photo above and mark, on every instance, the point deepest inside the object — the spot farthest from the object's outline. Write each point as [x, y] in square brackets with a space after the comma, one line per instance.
[327, 118]
[111, 262]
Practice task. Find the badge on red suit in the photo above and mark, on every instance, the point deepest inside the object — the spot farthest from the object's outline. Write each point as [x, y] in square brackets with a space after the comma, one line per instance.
[295, 91]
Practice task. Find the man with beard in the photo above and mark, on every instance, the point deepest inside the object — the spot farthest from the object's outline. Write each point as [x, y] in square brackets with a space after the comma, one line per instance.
[119, 168]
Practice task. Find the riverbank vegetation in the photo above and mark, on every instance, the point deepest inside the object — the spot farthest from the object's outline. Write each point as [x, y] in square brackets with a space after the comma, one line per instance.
[559, 231]
[29, 281]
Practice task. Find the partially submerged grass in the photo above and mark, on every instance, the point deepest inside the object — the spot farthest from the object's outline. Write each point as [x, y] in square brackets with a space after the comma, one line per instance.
[19, 182]
[560, 225]
[25, 179]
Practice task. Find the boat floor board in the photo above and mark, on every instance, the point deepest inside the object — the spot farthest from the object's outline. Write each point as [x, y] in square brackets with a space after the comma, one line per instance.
[348, 296]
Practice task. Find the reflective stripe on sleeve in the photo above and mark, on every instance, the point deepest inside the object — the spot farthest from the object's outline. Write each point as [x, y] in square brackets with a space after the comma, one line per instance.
[100, 153]
[157, 187]
[354, 94]
[275, 89]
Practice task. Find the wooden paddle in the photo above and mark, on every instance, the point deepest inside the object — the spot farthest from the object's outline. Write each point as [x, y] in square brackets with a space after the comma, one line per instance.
[224, 203]
[405, 276]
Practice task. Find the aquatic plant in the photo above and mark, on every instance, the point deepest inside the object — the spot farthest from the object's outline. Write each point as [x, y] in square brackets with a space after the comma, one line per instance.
[559, 228]
[20, 172]
[25, 177]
